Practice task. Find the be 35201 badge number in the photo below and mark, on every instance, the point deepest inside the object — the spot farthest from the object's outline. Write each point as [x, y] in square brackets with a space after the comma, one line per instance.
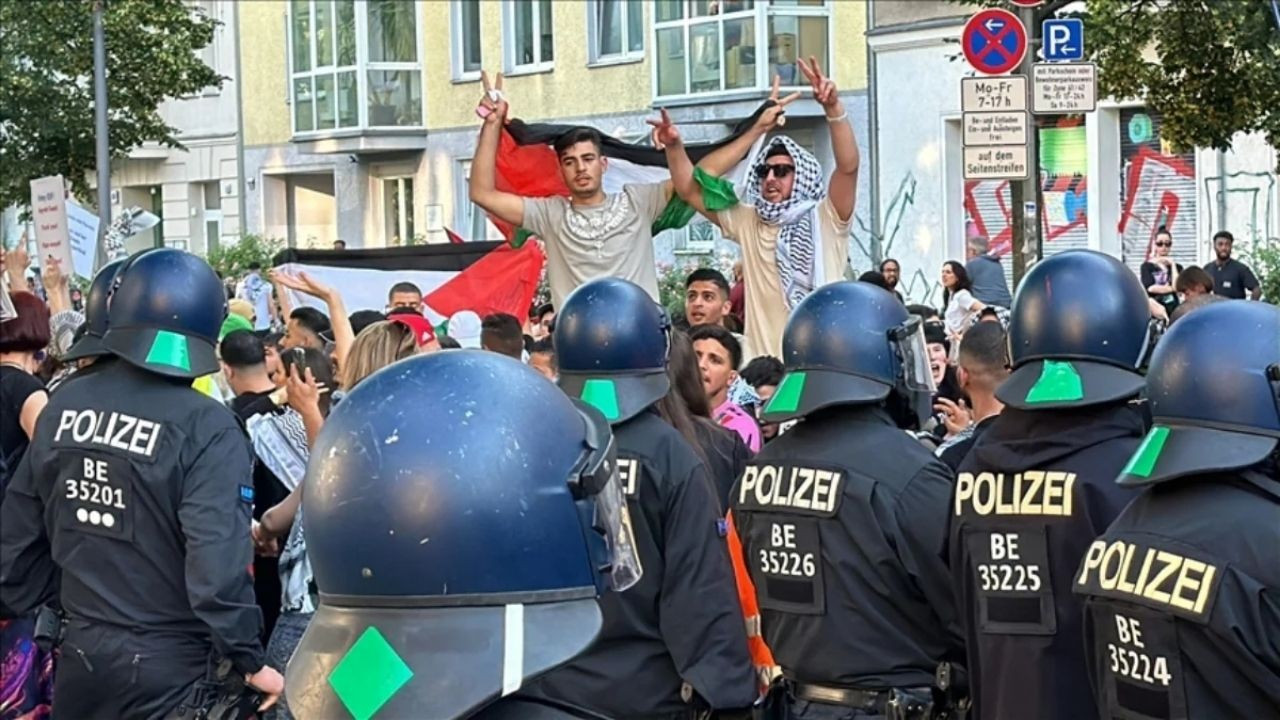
[97, 505]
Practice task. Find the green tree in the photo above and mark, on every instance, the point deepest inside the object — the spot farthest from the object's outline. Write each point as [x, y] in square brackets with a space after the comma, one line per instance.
[1211, 68]
[46, 83]
[233, 261]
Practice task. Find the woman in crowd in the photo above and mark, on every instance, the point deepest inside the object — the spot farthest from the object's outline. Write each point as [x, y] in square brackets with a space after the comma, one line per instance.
[961, 308]
[26, 673]
[1159, 275]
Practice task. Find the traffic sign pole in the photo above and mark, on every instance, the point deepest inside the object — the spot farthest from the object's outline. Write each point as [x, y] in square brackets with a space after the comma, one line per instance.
[1025, 195]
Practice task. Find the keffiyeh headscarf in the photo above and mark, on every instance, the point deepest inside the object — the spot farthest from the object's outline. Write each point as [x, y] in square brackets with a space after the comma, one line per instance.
[796, 251]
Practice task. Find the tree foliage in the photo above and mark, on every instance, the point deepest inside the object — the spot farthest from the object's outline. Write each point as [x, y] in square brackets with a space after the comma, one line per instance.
[234, 261]
[1211, 68]
[46, 83]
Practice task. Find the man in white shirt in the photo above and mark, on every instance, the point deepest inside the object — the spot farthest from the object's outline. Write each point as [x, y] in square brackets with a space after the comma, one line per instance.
[590, 234]
[793, 231]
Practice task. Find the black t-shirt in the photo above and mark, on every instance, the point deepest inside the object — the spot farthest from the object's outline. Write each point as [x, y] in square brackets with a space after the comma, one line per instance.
[15, 387]
[1231, 279]
[1153, 273]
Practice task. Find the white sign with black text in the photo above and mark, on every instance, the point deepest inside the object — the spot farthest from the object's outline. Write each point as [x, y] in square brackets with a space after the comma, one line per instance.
[1064, 88]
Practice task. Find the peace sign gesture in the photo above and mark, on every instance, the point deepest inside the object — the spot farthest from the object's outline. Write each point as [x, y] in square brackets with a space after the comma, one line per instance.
[493, 104]
[775, 115]
[665, 131]
[824, 88]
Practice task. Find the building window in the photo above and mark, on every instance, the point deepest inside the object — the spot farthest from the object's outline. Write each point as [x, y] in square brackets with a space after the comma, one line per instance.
[526, 36]
[713, 46]
[696, 238]
[475, 223]
[212, 215]
[354, 64]
[615, 30]
[397, 212]
[466, 39]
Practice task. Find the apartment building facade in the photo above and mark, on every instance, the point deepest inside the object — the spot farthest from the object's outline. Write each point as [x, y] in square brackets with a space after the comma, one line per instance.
[359, 120]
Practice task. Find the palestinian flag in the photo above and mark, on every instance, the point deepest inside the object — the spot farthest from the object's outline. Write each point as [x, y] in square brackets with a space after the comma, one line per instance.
[483, 277]
[527, 166]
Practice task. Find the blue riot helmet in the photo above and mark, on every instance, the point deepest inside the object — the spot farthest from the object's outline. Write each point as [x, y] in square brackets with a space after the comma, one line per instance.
[165, 313]
[1214, 389]
[462, 515]
[611, 345]
[1078, 332]
[853, 343]
[95, 313]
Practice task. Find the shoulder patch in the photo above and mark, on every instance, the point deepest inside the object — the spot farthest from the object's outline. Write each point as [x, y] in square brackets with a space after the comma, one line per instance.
[246, 494]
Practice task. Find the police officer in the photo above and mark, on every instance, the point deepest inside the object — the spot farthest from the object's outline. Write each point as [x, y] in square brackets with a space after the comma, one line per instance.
[1181, 617]
[135, 491]
[459, 555]
[674, 644]
[95, 315]
[1038, 487]
[842, 518]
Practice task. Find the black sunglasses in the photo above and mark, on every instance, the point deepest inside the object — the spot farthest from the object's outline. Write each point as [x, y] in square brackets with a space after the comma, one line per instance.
[779, 171]
[1164, 244]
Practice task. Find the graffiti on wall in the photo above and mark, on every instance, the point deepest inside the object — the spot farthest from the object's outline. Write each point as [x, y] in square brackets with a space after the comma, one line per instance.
[1243, 202]
[869, 248]
[1158, 189]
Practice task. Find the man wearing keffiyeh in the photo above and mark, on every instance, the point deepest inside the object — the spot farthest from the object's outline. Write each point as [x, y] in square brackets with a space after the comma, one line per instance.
[794, 231]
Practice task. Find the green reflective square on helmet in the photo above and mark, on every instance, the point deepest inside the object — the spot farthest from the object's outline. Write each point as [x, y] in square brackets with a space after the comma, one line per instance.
[169, 348]
[787, 396]
[603, 396]
[1143, 462]
[1059, 382]
[369, 675]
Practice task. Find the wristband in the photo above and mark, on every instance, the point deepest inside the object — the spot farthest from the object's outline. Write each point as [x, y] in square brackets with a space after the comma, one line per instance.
[839, 118]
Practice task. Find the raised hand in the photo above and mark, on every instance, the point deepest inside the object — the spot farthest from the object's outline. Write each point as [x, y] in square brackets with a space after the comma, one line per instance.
[824, 88]
[493, 104]
[303, 283]
[775, 116]
[665, 131]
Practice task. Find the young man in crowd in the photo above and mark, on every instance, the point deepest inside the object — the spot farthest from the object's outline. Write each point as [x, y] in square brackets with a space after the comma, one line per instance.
[763, 375]
[501, 333]
[891, 270]
[982, 366]
[244, 365]
[719, 356]
[307, 328]
[542, 357]
[405, 295]
[793, 228]
[591, 233]
[1231, 278]
[1193, 282]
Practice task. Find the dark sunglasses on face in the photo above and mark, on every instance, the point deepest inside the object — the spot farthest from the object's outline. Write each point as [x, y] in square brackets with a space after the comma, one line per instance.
[779, 171]
[1164, 244]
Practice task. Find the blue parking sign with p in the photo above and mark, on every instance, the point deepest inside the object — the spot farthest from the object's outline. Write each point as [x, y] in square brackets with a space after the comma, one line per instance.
[1063, 40]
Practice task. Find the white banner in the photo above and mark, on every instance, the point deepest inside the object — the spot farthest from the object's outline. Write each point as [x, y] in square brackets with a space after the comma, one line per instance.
[82, 226]
[49, 208]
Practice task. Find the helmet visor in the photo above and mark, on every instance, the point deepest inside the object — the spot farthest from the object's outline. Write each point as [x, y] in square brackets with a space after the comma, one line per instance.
[908, 339]
[597, 479]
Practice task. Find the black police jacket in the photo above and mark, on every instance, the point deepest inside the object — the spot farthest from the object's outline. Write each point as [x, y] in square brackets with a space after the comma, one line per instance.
[136, 491]
[682, 621]
[1036, 489]
[842, 521]
[1182, 617]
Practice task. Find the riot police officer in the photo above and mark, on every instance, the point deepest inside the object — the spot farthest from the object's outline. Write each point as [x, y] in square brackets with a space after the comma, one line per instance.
[674, 644]
[95, 314]
[1181, 617]
[1038, 487]
[458, 554]
[842, 518]
[134, 491]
